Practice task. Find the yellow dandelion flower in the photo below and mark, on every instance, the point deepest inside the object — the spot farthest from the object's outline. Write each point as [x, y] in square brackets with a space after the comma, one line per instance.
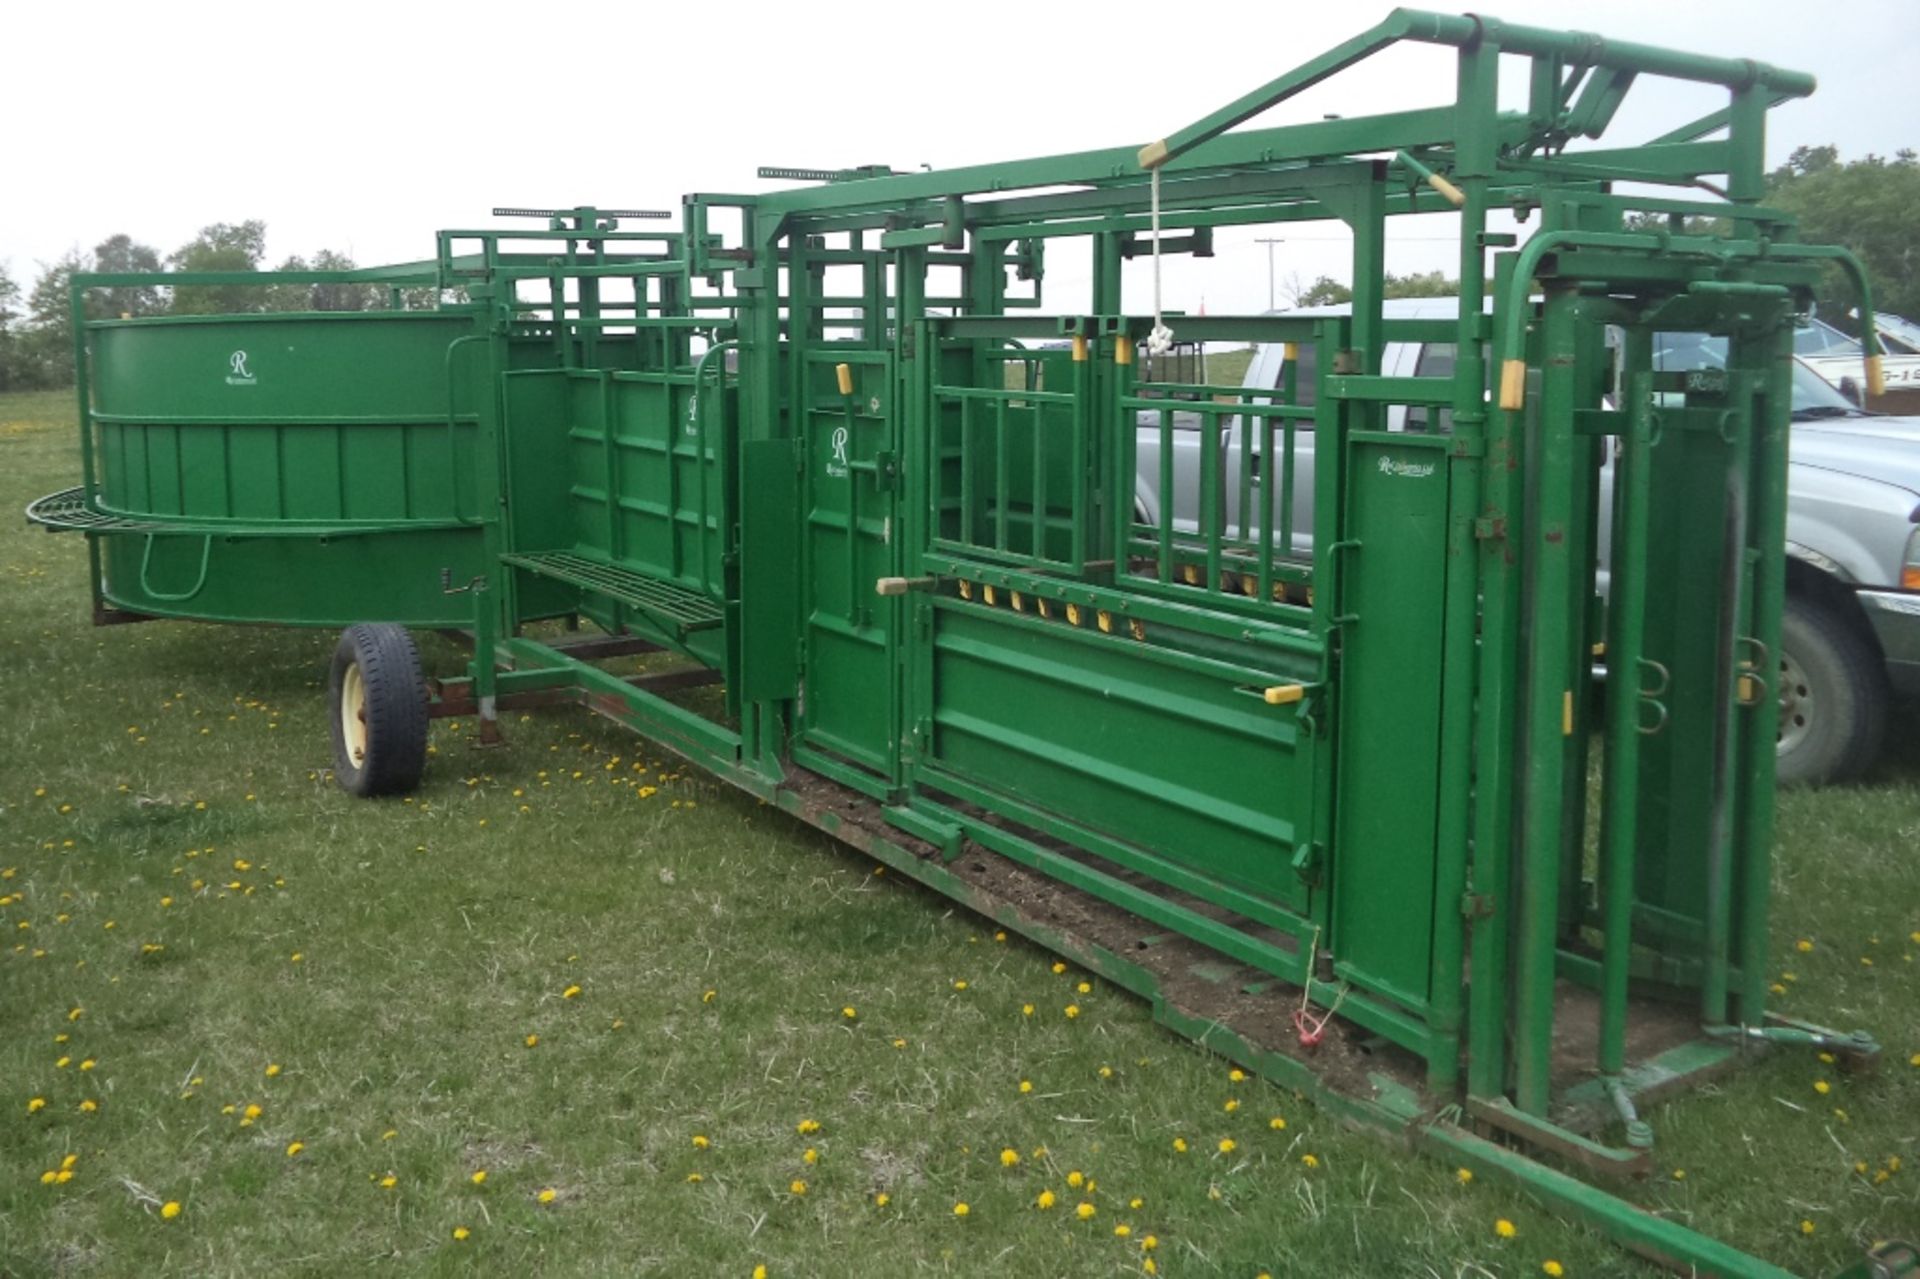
[1106, 1072]
[1149, 1243]
[707, 996]
[295, 1147]
[389, 1181]
[295, 957]
[1777, 989]
[546, 1196]
[1277, 1123]
[1085, 988]
[1806, 1227]
[961, 1210]
[62, 1063]
[811, 1156]
[797, 1186]
[1044, 1200]
[850, 1012]
[961, 984]
[1822, 1087]
[1232, 1104]
[532, 1041]
[1679, 1174]
[1803, 945]
[460, 1233]
[1122, 1231]
[1552, 1268]
[899, 1043]
[1026, 1010]
[882, 1199]
[1914, 1060]
[700, 1142]
[1504, 1228]
[571, 992]
[1236, 1076]
[806, 1126]
[1310, 1161]
[1058, 967]
[169, 1210]
[48, 1177]
[1026, 1085]
[479, 1177]
[389, 1134]
[1009, 1157]
[67, 1163]
[1228, 1145]
[1179, 1145]
[36, 1104]
[760, 1272]
[1072, 1011]
[88, 1106]
[252, 1111]
[273, 1070]
[694, 1178]
[1076, 1179]
[1001, 936]
[1084, 1211]
[1149, 1266]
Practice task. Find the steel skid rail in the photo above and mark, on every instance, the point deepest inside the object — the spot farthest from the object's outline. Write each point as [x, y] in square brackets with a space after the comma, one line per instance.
[1314, 720]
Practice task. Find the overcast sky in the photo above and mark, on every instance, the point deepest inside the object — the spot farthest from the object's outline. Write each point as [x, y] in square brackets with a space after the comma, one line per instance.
[365, 127]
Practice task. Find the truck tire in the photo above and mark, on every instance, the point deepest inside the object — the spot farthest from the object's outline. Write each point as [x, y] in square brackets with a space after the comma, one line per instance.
[379, 701]
[1833, 697]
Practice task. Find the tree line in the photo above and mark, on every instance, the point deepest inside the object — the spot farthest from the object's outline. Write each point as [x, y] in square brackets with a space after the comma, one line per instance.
[1870, 205]
[36, 324]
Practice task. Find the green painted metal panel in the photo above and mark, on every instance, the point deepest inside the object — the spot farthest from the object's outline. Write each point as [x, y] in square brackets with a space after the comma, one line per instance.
[294, 581]
[850, 704]
[769, 569]
[1383, 857]
[1183, 759]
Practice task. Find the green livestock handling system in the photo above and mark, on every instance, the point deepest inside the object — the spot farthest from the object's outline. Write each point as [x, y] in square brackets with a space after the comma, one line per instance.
[1302, 756]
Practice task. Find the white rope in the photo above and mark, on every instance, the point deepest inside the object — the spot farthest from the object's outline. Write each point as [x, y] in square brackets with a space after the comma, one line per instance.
[1161, 338]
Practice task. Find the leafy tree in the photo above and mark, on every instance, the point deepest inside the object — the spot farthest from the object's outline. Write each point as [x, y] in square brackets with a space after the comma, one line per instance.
[1327, 291]
[1870, 205]
[47, 345]
[223, 246]
[10, 371]
[342, 297]
[122, 254]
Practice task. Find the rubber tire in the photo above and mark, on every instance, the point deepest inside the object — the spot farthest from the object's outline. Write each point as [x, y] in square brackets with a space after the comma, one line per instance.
[1850, 696]
[395, 710]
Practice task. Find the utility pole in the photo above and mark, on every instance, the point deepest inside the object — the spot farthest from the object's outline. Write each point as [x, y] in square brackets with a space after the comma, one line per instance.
[1270, 242]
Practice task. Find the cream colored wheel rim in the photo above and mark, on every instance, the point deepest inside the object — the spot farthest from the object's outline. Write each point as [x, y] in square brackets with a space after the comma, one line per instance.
[353, 715]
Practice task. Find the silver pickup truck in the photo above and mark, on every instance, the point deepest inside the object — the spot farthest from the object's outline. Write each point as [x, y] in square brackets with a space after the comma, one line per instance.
[1850, 638]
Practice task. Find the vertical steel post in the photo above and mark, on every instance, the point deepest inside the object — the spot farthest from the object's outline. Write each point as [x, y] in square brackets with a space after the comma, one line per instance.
[1768, 540]
[1626, 621]
[1545, 611]
[1478, 84]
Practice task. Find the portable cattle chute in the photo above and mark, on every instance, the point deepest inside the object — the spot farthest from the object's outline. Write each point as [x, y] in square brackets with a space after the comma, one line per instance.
[1330, 731]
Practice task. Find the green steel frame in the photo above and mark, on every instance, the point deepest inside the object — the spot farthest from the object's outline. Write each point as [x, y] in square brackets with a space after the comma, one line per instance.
[828, 445]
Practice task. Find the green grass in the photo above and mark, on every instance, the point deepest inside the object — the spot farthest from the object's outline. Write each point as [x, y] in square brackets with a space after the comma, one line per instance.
[715, 944]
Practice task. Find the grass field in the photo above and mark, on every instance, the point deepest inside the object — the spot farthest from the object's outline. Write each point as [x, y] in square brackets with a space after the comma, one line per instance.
[752, 1049]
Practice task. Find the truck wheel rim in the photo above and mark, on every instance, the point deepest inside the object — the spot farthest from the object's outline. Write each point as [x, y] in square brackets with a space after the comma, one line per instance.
[353, 715]
[1796, 704]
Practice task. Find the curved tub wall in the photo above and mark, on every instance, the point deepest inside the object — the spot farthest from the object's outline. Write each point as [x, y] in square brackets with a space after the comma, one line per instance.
[300, 469]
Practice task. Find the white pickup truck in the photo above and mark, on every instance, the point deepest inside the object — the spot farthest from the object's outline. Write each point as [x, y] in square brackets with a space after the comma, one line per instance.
[1851, 634]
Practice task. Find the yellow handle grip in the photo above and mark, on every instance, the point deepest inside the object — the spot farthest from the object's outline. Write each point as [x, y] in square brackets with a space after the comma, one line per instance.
[1513, 384]
[844, 373]
[1876, 376]
[1450, 193]
[1284, 694]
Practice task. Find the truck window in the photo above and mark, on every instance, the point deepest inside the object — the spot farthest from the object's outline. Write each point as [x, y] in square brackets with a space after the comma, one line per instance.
[1306, 359]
